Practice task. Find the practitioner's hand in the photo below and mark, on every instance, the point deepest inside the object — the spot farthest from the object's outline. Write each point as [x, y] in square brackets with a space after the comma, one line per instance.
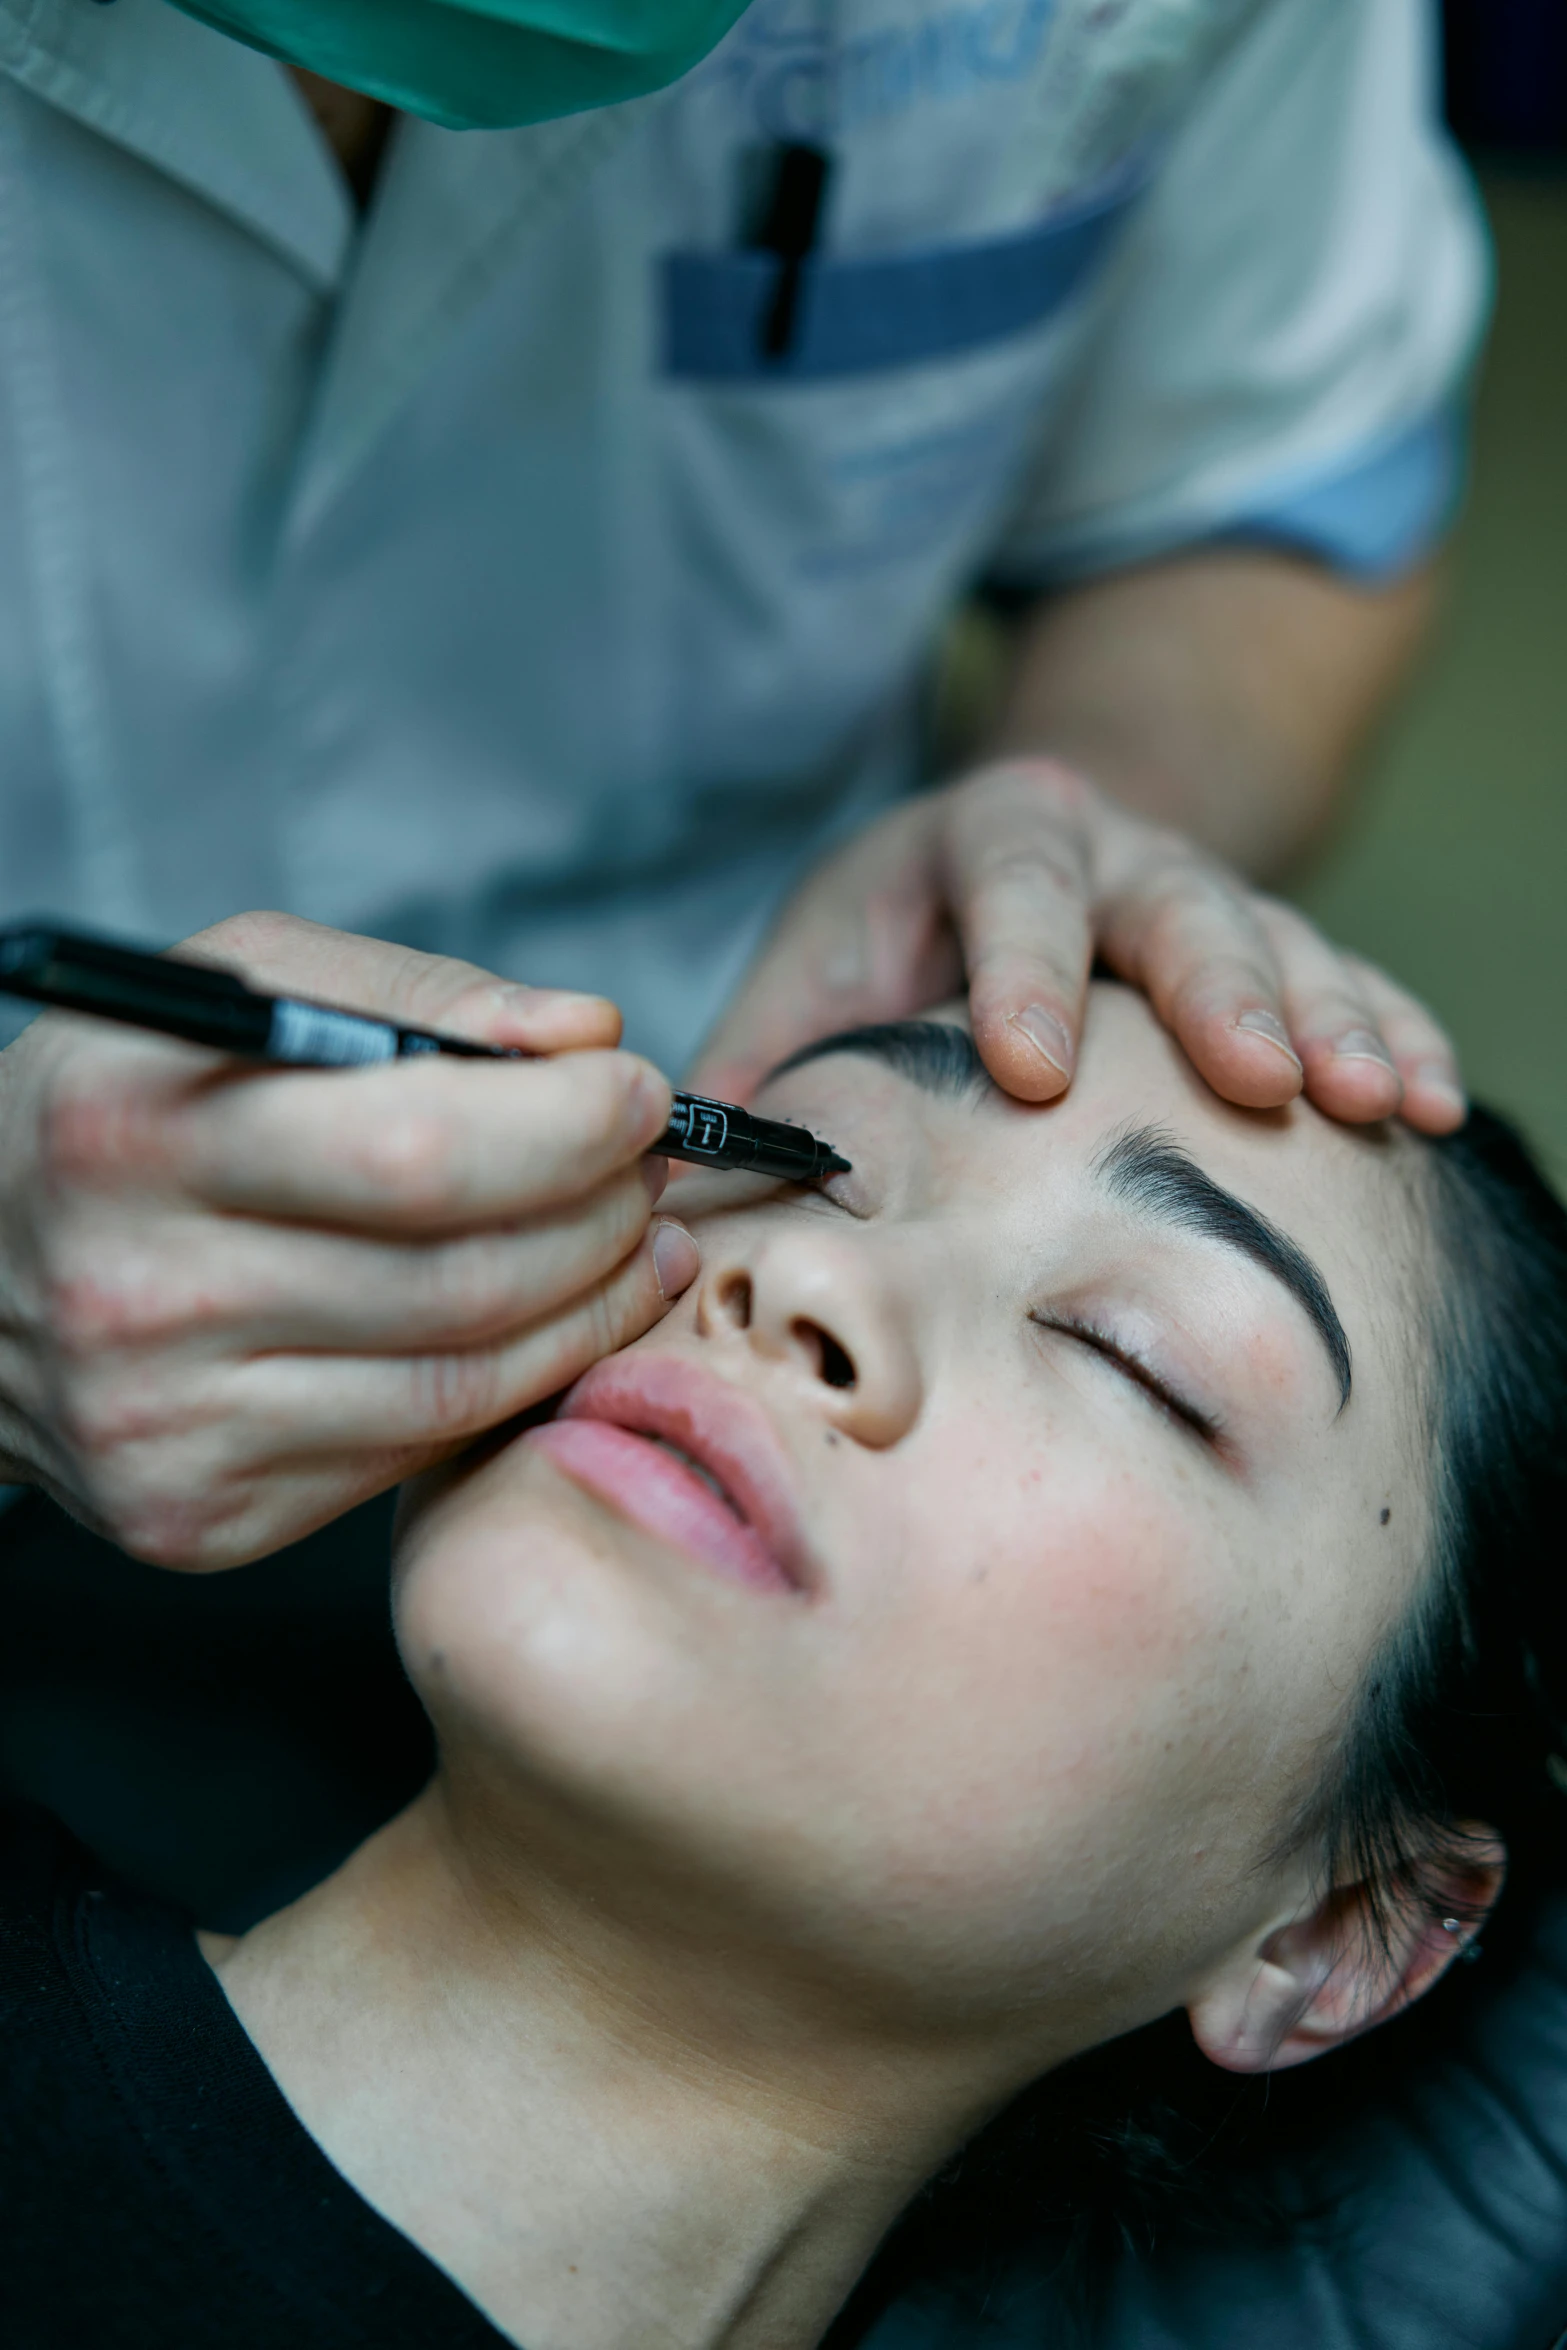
[234, 1301]
[1019, 876]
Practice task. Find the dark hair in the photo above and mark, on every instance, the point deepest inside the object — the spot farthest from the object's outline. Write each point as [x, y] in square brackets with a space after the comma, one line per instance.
[1459, 1720]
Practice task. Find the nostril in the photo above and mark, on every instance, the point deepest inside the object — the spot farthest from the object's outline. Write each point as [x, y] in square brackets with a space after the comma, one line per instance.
[734, 1300]
[833, 1364]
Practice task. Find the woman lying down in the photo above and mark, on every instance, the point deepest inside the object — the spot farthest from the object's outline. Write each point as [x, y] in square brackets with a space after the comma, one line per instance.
[1080, 1566]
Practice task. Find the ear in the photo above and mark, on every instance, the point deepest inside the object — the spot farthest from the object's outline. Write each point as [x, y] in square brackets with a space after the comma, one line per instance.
[1318, 1977]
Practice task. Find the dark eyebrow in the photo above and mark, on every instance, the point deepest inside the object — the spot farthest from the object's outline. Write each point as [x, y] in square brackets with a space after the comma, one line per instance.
[1142, 1166]
[932, 1054]
[1151, 1172]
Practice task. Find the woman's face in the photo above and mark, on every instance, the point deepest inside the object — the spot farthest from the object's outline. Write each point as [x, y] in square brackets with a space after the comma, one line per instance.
[965, 1583]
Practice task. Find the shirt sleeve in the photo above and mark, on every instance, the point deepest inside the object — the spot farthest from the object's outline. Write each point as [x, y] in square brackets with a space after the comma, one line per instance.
[1283, 339]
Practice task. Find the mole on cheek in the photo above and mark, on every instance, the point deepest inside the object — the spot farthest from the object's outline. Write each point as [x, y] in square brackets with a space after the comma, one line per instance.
[1383, 1519]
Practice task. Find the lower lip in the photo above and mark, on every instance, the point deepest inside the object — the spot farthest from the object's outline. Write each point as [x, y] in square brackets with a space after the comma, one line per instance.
[645, 1483]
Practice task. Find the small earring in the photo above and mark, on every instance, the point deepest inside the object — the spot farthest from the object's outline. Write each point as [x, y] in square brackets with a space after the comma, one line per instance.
[1452, 1925]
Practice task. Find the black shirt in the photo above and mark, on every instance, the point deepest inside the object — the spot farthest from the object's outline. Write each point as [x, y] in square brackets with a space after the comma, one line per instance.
[155, 2187]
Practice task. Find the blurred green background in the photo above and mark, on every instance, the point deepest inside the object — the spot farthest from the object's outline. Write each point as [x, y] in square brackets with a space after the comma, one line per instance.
[1450, 865]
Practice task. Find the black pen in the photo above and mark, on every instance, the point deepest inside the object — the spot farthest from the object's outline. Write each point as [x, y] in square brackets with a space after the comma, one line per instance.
[206, 1006]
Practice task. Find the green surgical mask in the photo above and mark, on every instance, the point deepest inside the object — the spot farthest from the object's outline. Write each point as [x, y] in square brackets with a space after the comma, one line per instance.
[482, 64]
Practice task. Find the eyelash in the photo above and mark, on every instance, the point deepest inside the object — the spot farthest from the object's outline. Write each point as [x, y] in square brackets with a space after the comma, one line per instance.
[1133, 1369]
[1137, 1373]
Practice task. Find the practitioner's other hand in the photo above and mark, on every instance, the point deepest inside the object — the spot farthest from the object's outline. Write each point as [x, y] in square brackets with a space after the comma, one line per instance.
[1019, 877]
[234, 1301]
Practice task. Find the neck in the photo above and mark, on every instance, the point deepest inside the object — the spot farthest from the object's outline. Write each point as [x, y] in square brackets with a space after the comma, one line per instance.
[354, 127]
[609, 2134]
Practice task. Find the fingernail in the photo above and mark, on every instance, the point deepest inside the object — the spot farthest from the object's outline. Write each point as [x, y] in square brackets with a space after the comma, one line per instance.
[649, 1098]
[676, 1258]
[655, 1174]
[1048, 1036]
[1358, 1044]
[1436, 1077]
[1272, 1030]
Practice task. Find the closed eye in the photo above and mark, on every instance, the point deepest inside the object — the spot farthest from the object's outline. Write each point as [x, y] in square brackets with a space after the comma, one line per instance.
[1137, 1372]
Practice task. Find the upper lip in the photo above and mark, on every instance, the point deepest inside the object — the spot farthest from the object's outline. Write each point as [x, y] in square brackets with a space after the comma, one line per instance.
[720, 1428]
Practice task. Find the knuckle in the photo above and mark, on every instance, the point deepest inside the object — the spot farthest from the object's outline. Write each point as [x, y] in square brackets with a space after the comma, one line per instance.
[109, 1415]
[176, 1530]
[1166, 866]
[608, 1321]
[462, 1284]
[1214, 983]
[1195, 913]
[435, 988]
[464, 999]
[123, 1300]
[1042, 785]
[606, 1318]
[1026, 871]
[88, 1312]
[610, 1316]
[455, 1392]
[408, 1163]
[84, 1133]
[107, 1298]
[259, 935]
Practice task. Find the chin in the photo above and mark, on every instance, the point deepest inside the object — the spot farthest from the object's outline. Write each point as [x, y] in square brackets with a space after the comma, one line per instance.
[533, 1624]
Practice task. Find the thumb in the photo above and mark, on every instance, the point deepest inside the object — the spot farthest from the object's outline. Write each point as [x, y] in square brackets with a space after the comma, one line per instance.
[865, 938]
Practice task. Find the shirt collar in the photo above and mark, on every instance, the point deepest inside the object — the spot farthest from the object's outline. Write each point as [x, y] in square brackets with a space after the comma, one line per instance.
[220, 118]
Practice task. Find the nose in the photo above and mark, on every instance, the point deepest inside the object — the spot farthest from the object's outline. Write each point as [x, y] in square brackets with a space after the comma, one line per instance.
[830, 1312]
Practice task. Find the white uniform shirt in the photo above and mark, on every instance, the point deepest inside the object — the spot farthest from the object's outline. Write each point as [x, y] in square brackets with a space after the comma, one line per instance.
[472, 577]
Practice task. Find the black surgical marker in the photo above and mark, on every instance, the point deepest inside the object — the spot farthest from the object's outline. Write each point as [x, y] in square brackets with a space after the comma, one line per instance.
[216, 1008]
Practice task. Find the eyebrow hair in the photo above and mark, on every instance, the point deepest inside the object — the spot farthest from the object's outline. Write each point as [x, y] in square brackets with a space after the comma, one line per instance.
[937, 1057]
[1148, 1169]
[1143, 1166]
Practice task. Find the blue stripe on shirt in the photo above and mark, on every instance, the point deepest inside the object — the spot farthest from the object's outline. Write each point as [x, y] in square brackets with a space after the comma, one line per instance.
[1374, 518]
[857, 315]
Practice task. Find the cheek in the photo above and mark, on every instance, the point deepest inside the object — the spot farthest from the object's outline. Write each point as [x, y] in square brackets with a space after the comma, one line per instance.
[1052, 1666]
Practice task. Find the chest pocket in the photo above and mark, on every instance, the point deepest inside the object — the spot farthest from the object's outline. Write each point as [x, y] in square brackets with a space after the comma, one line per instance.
[861, 315]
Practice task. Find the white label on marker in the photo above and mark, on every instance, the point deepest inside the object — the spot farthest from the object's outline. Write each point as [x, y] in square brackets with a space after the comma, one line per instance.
[327, 1040]
[707, 1128]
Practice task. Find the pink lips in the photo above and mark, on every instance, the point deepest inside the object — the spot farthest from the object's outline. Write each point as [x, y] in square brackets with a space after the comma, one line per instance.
[606, 1439]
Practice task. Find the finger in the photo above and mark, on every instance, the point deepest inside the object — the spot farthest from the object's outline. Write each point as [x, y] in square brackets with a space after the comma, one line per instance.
[440, 1398]
[1434, 1098]
[1350, 1072]
[862, 940]
[1188, 936]
[216, 1288]
[425, 1146]
[208, 1469]
[284, 955]
[1018, 878]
